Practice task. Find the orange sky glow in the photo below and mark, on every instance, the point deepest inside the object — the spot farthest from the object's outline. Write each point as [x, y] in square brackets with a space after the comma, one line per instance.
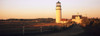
[30, 9]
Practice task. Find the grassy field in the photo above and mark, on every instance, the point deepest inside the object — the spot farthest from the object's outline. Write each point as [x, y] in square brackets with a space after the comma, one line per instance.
[20, 29]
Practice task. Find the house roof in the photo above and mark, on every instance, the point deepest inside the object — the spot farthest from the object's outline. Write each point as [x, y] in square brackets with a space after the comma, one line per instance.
[63, 19]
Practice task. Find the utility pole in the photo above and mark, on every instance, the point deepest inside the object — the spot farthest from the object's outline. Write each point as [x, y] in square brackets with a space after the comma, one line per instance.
[23, 27]
[23, 30]
[41, 29]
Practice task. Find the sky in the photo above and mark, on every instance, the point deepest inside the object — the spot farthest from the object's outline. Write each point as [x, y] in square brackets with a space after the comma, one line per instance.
[30, 9]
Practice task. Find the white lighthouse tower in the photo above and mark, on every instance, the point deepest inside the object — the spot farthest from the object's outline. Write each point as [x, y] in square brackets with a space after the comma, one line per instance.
[58, 12]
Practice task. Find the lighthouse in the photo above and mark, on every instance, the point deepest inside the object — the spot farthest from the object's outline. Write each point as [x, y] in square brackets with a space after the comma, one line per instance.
[58, 12]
